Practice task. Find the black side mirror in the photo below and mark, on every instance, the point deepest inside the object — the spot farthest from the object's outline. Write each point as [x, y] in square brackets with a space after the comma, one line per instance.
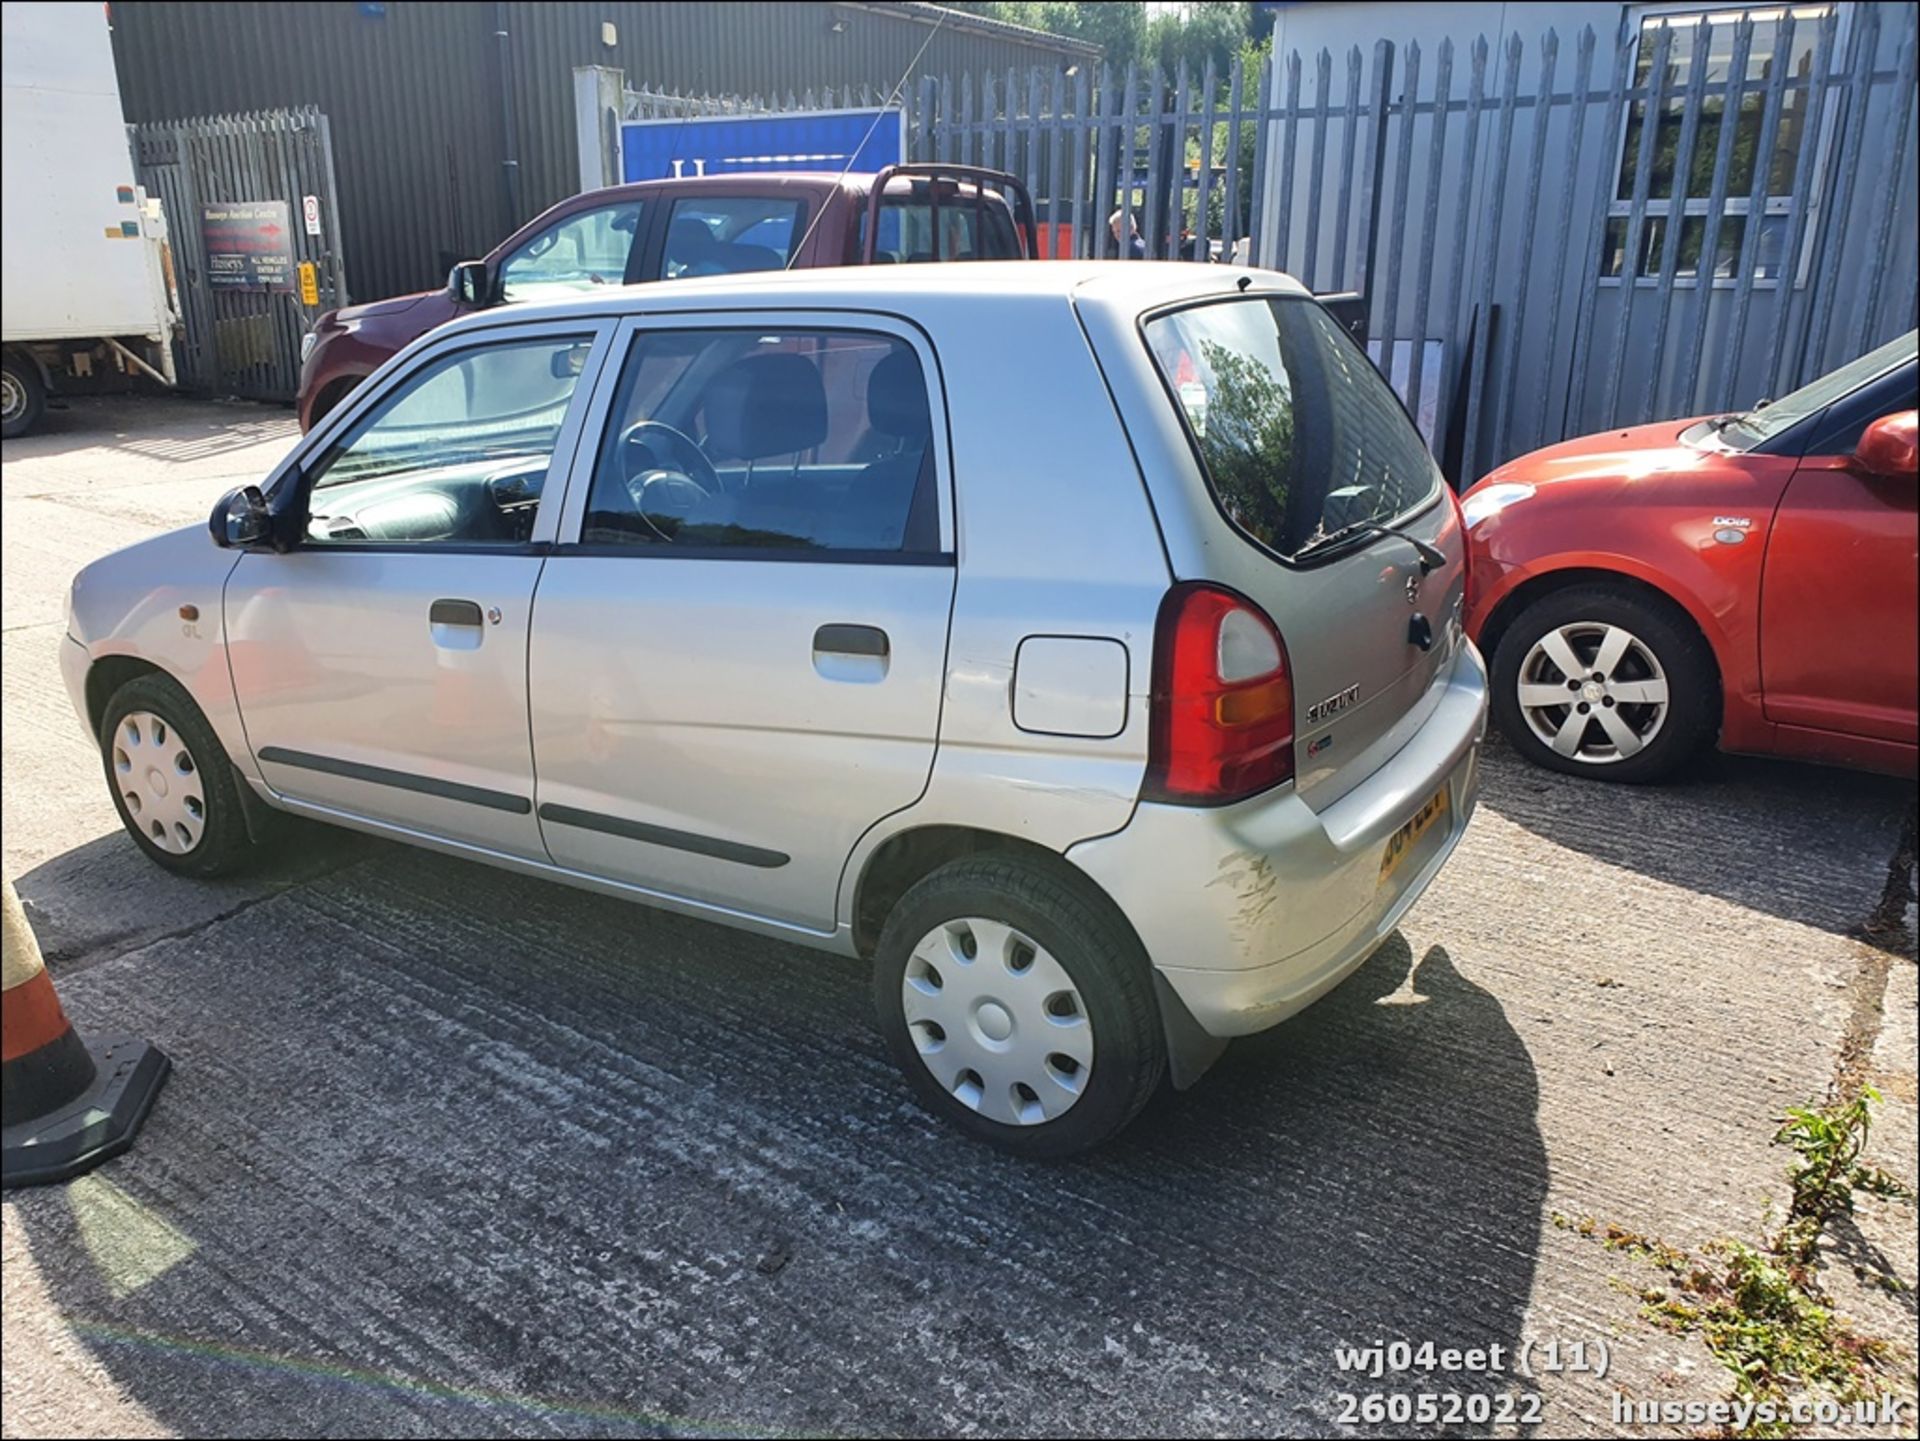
[241, 519]
[469, 284]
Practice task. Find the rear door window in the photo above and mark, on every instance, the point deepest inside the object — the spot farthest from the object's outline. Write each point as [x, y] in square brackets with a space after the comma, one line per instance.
[730, 235]
[767, 443]
[1298, 435]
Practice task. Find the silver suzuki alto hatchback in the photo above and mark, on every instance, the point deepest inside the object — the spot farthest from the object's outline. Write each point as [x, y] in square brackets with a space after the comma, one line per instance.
[1079, 642]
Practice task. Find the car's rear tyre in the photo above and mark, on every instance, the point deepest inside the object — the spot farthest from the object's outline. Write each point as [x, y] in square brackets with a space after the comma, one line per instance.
[171, 781]
[23, 399]
[1606, 683]
[1018, 1005]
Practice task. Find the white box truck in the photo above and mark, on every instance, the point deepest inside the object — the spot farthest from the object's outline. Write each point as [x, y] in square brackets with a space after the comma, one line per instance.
[88, 283]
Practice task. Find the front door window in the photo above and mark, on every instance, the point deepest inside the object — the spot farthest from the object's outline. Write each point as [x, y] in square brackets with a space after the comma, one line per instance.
[584, 250]
[457, 454]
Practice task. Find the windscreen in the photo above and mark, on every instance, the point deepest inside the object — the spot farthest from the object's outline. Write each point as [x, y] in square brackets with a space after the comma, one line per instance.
[1758, 425]
[970, 226]
[1298, 434]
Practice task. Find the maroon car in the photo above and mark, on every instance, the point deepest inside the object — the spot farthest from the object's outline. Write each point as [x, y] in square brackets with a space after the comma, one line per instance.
[695, 225]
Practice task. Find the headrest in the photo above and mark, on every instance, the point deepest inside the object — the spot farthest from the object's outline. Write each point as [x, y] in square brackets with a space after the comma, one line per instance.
[765, 405]
[690, 240]
[737, 259]
[897, 397]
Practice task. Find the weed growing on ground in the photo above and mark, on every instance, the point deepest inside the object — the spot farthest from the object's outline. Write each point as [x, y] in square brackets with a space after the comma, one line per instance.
[1828, 1141]
[1761, 1310]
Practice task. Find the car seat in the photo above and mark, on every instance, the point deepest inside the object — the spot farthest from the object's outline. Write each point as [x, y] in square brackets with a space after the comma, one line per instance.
[891, 503]
[762, 406]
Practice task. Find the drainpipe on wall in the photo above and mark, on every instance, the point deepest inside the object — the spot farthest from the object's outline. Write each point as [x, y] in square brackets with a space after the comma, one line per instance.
[510, 144]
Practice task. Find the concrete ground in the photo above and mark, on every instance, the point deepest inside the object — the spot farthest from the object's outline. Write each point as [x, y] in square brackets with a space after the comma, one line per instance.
[447, 1151]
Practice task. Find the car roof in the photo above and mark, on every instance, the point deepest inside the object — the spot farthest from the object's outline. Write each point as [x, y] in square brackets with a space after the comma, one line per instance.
[773, 179]
[857, 181]
[1136, 285]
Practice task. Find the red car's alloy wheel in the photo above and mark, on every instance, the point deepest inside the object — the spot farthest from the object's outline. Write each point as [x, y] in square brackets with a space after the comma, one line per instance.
[1593, 693]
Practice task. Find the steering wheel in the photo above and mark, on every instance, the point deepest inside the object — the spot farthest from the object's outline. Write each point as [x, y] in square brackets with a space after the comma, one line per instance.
[638, 457]
[671, 485]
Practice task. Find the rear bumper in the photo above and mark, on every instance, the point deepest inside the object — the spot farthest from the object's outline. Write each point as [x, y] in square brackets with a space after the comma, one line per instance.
[1252, 912]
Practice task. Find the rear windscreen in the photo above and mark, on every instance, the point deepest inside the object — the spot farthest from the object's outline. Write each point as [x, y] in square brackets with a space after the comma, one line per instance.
[1298, 434]
[970, 227]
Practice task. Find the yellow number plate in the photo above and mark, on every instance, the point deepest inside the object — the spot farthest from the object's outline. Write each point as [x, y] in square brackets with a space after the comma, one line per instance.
[1401, 843]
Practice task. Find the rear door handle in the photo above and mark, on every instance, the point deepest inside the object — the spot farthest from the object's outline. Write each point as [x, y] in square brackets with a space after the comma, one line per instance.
[858, 654]
[850, 640]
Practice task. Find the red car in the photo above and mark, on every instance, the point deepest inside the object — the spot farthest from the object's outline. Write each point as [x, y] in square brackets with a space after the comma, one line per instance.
[1748, 576]
[694, 225]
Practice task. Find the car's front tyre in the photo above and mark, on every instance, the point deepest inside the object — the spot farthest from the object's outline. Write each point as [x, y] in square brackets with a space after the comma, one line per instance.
[1607, 683]
[171, 781]
[1018, 1006]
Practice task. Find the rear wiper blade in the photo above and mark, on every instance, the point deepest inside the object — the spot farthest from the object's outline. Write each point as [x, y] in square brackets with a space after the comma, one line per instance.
[1431, 556]
[1326, 542]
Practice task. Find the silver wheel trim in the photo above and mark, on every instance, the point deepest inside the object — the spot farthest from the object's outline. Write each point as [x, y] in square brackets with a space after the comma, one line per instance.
[1593, 692]
[13, 396]
[158, 780]
[997, 1021]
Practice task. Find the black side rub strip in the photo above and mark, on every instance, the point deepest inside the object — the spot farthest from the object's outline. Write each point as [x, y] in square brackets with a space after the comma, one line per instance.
[662, 836]
[399, 780]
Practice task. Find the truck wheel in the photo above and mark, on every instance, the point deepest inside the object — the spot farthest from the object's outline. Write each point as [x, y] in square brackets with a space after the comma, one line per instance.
[25, 398]
[1019, 1009]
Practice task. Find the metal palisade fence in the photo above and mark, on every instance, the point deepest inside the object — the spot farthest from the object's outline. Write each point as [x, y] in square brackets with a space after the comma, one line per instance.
[672, 105]
[235, 190]
[1698, 213]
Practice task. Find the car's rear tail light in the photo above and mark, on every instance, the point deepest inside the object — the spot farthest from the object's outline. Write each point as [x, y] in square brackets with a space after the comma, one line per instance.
[1222, 709]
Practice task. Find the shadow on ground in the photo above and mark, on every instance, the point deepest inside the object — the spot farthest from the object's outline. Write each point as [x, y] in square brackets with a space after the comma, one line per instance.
[449, 1151]
[1805, 843]
[154, 428]
[104, 898]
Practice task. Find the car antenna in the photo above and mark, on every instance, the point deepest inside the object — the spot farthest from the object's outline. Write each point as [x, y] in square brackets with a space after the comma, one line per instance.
[892, 96]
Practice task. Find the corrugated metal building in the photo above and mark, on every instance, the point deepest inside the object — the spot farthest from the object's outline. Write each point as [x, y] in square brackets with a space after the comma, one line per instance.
[429, 102]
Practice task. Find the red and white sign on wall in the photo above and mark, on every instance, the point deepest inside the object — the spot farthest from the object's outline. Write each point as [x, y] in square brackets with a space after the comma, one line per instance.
[247, 245]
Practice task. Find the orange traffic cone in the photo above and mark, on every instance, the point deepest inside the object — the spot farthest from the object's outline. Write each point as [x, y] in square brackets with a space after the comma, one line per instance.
[65, 1105]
